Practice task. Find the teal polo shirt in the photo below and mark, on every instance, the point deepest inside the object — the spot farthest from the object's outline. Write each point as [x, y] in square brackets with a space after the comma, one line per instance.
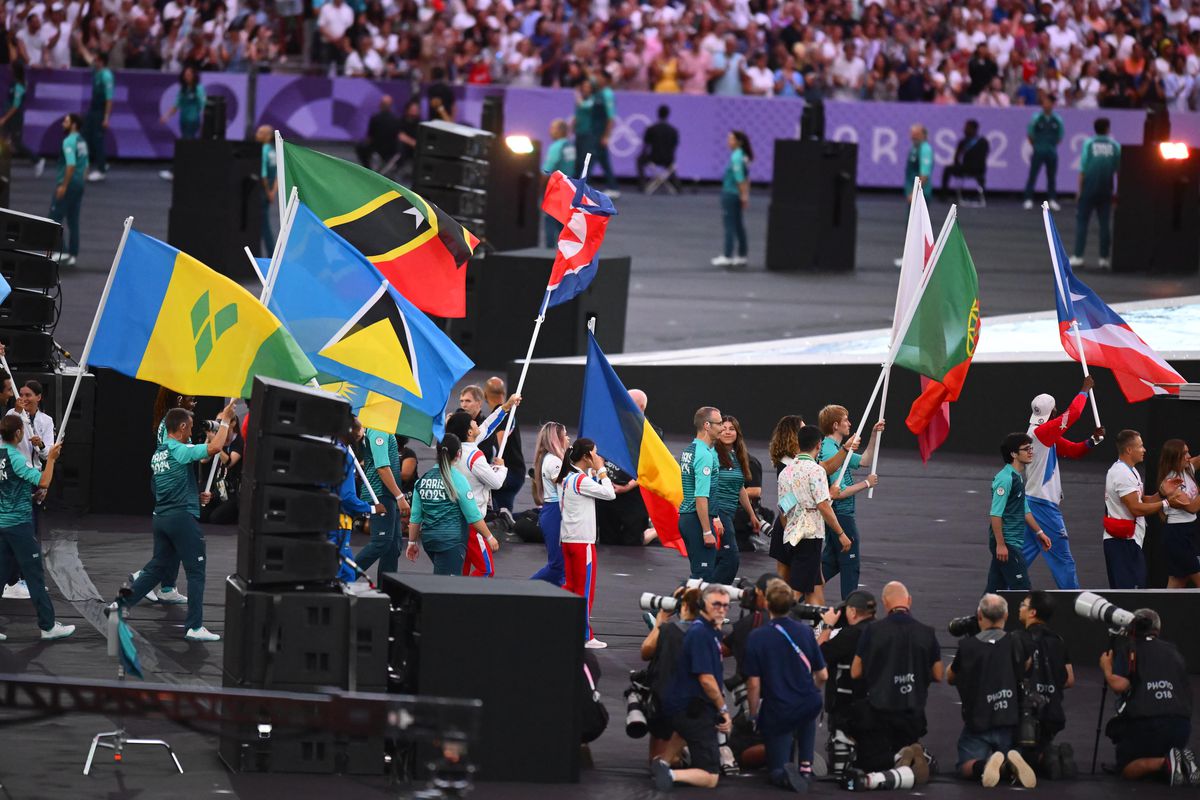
[1010, 504]
[829, 449]
[175, 489]
[699, 467]
[17, 480]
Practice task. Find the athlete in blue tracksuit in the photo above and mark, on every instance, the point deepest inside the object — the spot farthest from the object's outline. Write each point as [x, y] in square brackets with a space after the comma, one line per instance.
[351, 504]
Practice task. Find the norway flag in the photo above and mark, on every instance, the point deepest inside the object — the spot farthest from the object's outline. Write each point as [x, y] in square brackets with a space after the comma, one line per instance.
[584, 214]
[1107, 339]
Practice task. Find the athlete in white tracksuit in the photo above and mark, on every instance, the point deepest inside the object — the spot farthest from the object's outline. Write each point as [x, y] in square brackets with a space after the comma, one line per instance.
[483, 478]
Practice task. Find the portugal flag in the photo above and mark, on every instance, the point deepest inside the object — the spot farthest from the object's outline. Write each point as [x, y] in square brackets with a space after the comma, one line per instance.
[941, 338]
[419, 248]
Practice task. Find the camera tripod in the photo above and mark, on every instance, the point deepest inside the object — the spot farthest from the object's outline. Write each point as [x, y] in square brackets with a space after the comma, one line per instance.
[118, 740]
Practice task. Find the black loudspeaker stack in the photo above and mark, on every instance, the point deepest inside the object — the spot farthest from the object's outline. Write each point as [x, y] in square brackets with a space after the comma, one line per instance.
[217, 203]
[813, 220]
[289, 624]
[28, 316]
[527, 672]
[475, 177]
[1155, 225]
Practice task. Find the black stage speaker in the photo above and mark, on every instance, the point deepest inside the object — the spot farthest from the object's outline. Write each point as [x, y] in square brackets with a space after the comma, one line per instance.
[813, 220]
[28, 270]
[504, 293]
[450, 140]
[1156, 226]
[491, 117]
[513, 218]
[20, 231]
[292, 559]
[812, 121]
[445, 173]
[212, 124]
[5, 177]
[25, 308]
[458, 202]
[217, 203]
[296, 461]
[299, 640]
[125, 407]
[291, 410]
[526, 673]
[28, 349]
[280, 510]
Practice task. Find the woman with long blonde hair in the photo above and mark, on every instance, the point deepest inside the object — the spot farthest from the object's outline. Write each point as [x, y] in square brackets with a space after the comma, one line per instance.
[552, 443]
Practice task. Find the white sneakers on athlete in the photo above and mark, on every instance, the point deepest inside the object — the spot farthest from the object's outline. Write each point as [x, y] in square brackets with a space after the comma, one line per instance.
[721, 261]
[96, 176]
[59, 631]
[1054, 206]
[1027, 205]
[595, 644]
[201, 634]
[171, 597]
[1105, 263]
[18, 591]
[1075, 261]
[150, 596]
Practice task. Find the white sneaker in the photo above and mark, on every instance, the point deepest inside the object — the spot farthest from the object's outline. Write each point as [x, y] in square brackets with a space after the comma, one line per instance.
[898, 263]
[1075, 261]
[721, 261]
[18, 591]
[201, 634]
[39, 168]
[95, 176]
[150, 596]
[507, 516]
[738, 261]
[1105, 263]
[171, 597]
[166, 174]
[1054, 206]
[595, 644]
[59, 631]
[69, 261]
[3, 637]
[1027, 205]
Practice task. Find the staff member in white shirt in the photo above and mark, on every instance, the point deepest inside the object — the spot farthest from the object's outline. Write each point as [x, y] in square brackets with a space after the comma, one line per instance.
[1183, 554]
[581, 482]
[483, 478]
[1125, 509]
[39, 428]
[552, 444]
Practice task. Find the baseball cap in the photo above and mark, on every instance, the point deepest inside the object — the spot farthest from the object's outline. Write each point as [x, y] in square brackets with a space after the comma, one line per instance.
[1043, 407]
[861, 600]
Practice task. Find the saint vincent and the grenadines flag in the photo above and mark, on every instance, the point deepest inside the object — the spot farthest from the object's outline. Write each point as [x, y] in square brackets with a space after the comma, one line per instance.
[623, 435]
[173, 321]
[357, 328]
[940, 341]
[419, 248]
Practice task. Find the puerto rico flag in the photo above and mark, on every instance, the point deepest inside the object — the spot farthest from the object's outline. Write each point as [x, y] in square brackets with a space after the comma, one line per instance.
[1107, 339]
[584, 214]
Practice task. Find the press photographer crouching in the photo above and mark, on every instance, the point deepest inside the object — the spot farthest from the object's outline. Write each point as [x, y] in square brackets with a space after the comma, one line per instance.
[987, 670]
[694, 700]
[660, 649]
[784, 673]
[897, 658]
[1050, 673]
[839, 637]
[1153, 722]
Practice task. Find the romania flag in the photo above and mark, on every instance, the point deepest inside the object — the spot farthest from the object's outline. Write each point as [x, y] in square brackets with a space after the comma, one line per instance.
[624, 436]
[171, 320]
[382, 413]
[419, 248]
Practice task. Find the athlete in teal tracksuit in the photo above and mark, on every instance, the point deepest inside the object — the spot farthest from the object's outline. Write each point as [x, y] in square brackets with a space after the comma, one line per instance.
[99, 110]
[442, 508]
[381, 463]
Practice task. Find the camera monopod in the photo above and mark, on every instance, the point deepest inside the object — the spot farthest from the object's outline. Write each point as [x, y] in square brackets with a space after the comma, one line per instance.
[1113, 634]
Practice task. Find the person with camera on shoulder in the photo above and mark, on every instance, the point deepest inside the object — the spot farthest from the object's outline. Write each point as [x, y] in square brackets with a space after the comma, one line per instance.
[1051, 673]
[784, 673]
[838, 638]
[695, 699]
[897, 658]
[745, 742]
[660, 649]
[987, 672]
[1153, 723]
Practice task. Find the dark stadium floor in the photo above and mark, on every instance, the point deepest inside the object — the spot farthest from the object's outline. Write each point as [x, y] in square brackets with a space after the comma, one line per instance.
[925, 526]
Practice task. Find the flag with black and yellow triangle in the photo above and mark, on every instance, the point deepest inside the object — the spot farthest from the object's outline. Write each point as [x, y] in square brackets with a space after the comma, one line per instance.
[353, 325]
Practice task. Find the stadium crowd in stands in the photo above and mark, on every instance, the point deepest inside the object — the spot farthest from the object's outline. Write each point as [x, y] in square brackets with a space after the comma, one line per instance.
[1086, 53]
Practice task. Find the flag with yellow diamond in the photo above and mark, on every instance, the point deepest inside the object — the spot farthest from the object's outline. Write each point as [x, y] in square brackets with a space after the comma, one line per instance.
[171, 320]
[383, 413]
[357, 328]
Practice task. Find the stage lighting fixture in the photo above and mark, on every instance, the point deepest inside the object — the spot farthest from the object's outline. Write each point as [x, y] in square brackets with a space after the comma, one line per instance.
[1173, 151]
[520, 144]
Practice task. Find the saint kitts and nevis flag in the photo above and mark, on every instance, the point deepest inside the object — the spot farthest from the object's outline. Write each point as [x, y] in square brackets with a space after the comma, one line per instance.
[419, 248]
[1107, 339]
[940, 340]
[173, 321]
[624, 436]
[584, 214]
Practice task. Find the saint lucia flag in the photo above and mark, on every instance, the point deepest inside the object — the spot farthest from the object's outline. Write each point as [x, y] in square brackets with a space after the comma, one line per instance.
[382, 413]
[173, 321]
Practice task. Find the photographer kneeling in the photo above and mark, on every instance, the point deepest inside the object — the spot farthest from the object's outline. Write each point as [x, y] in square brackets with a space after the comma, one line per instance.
[839, 642]
[784, 668]
[1051, 673]
[987, 671]
[661, 649]
[1153, 722]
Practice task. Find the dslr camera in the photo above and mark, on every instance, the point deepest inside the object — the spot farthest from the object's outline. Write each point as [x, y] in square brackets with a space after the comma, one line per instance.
[208, 425]
[963, 626]
[638, 698]
[741, 591]
[806, 612]
[654, 603]
[1092, 606]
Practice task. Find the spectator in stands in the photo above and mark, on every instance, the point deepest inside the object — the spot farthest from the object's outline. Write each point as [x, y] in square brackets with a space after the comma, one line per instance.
[848, 74]
[789, 81]
[730, 68]
[970, 157]
[333, 20]
[759, 81]
[659, 143]
[363, 61]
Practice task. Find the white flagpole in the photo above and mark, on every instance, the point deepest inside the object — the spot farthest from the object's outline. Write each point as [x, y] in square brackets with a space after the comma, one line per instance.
[887, 378]
[1062, 293]
[903, 329]
[537, 327]
[87, 347]
[363, 475]
[262, 279]
[280, 183]
[285, 229]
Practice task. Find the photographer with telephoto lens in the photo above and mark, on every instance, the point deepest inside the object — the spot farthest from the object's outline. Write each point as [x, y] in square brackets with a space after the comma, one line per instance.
[1050, 673]
[660, 649]
[1153, 723]
[838, 639]
[784, 668]
[987, 671]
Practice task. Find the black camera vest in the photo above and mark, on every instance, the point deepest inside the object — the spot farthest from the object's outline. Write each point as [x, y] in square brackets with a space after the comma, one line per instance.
[1048, 669]
[986, 678]
[1159, 686]
[897, 661]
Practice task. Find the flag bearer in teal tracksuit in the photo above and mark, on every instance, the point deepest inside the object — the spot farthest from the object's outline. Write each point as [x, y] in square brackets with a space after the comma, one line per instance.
[1098, 163]
[18, 479]
[177, 513]
[381, 463]
[1045, 133]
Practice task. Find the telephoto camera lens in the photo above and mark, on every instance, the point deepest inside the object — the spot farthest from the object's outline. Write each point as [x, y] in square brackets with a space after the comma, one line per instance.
[657, 602]
[1093, 606]
[636, 697]
[210, 426]
[963, 626]
[807, 612]
[735, 593]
